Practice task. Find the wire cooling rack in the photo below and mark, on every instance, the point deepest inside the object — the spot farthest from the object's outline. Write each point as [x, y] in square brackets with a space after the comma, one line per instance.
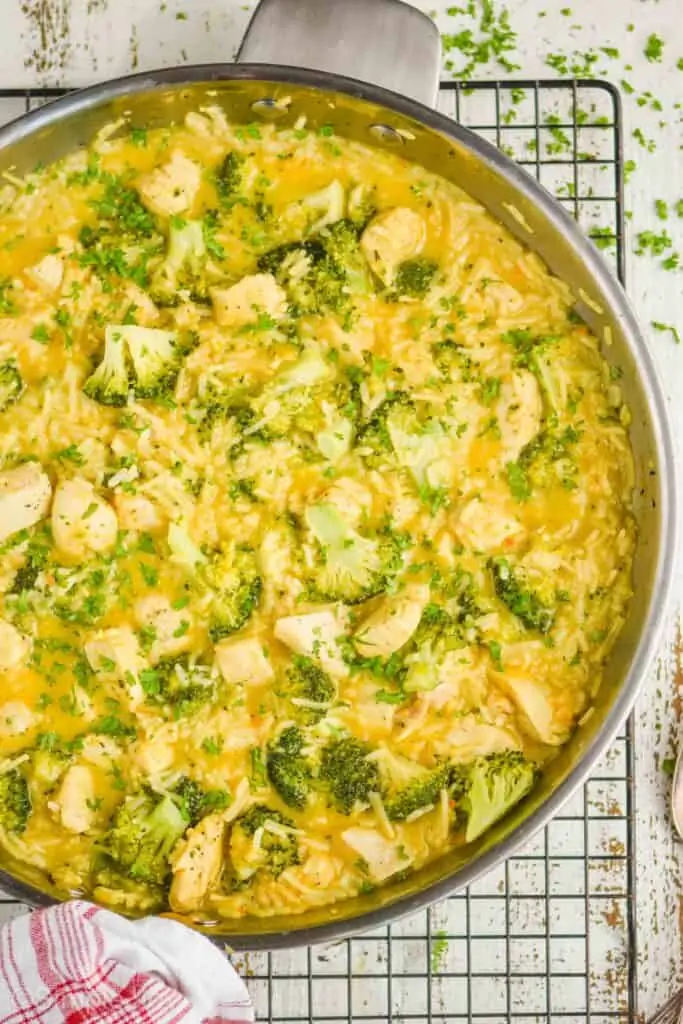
[549, 936]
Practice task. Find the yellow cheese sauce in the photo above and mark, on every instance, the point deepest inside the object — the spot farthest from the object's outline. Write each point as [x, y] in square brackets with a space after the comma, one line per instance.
[315, 525]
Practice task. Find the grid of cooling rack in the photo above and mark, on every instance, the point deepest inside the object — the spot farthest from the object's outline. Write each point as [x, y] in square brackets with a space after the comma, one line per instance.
[549, 936]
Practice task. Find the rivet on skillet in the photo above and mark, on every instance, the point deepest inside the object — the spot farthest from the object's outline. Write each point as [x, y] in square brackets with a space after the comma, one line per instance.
[270, 109]
[386, 134]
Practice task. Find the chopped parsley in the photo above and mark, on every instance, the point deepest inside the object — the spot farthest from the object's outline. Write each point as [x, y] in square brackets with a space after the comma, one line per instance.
[7, 304]
[213, 745]
[71, 453]
[438, 951]
[659, 326]
[654, 48]
[41, 333]
[603, 238]
[518, 482]
[487, 39]
[496, 652]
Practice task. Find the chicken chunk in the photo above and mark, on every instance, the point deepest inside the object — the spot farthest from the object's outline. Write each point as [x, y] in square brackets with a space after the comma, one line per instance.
[534, 706]
[75, 799]
[24, 498]
[483, 525]
[172, 188]
[47, 274]
[135, 512]
[316, 634]
[14, 647]
[243, 302]
[114, 655]
[384, 857]
[146, 313]
[393, 623]
[244, 661]
[390, 238]
[172, 627]
[83, 523]
[99, 751]
[520, 411]
[155, 753]
[16, 718]
[197, 863]
[470, 738]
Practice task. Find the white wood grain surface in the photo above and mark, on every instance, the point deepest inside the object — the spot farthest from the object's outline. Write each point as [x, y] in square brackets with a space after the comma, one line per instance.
[74, 42]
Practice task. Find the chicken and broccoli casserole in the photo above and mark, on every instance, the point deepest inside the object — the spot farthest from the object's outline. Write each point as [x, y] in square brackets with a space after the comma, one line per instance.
[315, 524]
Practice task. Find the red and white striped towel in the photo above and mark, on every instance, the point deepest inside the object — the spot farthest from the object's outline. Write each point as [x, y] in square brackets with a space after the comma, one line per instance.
[78, 964]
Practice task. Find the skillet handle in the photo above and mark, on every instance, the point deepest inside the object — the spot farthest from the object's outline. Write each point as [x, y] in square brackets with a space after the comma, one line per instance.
[383, 42]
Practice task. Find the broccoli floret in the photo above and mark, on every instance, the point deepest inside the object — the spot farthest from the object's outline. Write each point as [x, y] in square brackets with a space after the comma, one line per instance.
[229, 177]
[351, 567]
[278, 848]
[47, 765]
[417, 794]
[347, 774]
[453, 362]
[488, 787]
[310, 399]
[528, 346]
[214, 409]
[276, 260]
[114, 888]
[549, 444]
[37, 557]
[25, 578]
[15, 801]
[184, 265]
[181, 684]
[374, 433]
[237, 584]
[341, 408]
[439, 631]
[156, 358]
[414, 277]
[342, 249]
[109, 384]
[289, 772]
[291, 397]
[143, 833]
[11, 384]
[312, 281]
[320, 274]
[361, 206]
[196, 802]
[232, 577]
[524, 603]
[422, 446]
[308, 690]
[549, 458]
[326, 206]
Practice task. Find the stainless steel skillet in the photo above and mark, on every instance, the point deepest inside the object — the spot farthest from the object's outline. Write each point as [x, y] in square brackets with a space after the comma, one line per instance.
[391, 45]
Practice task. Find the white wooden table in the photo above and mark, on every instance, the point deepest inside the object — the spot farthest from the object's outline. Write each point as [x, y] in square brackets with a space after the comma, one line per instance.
[77, 42]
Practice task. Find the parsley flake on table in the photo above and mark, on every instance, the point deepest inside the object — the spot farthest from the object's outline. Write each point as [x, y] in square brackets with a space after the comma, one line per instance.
[657, 325]
[603, 238]
[654, 48]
